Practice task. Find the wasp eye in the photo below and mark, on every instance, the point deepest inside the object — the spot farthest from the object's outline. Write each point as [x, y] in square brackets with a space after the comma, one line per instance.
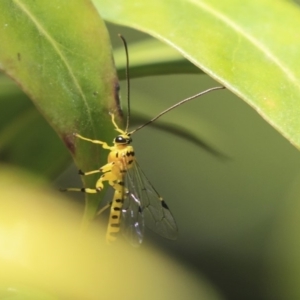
[123, 139]
[120, 139]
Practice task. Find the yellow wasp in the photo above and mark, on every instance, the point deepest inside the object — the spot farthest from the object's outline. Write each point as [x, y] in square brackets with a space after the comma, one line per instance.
[135, 203]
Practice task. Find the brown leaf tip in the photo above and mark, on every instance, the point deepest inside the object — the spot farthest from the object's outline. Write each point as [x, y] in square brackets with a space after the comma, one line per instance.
[69, 142]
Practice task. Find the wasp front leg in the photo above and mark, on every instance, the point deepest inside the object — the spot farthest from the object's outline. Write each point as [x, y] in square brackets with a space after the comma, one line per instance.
[103, 144]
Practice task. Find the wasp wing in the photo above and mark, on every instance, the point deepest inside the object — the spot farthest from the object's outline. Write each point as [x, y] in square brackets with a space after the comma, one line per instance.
[132, 222]
[143, 205]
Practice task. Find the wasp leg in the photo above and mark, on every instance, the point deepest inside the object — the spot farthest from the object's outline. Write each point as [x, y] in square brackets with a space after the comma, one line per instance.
[103, 209]
[106, 168]
[83, 190]
[103, 144]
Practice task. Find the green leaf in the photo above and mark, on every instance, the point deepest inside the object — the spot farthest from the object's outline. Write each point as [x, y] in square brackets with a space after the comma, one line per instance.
[23, 126]
[46, 48]
[251, 47]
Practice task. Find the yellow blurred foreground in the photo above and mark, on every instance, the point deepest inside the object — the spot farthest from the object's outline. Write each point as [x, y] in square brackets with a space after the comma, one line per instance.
[43, 256]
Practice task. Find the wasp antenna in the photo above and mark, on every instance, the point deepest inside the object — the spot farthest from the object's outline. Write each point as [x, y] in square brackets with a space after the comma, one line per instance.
[178, 104]
[128, 81]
